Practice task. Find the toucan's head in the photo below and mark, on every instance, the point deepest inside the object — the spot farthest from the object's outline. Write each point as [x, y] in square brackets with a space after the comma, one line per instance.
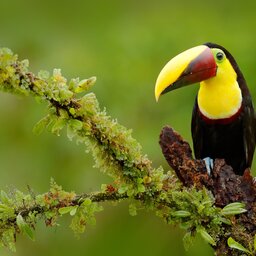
[196, 65]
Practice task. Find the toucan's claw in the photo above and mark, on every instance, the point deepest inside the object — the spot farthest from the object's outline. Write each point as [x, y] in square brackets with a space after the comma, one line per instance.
[209, 164]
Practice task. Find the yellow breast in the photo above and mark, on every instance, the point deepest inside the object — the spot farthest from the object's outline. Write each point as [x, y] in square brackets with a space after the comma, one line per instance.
[220, 96]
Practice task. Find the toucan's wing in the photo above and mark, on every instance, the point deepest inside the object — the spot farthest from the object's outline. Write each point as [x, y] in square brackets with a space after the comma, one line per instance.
[249, 129]
[197, 130]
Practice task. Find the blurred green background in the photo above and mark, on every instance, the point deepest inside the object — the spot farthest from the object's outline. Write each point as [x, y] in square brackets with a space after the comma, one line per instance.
[125, 44]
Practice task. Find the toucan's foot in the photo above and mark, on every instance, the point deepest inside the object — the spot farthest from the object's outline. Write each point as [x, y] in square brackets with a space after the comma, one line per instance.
[209, 164]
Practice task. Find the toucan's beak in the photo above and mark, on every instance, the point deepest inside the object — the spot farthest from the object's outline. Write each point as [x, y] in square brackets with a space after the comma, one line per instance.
[192, 66]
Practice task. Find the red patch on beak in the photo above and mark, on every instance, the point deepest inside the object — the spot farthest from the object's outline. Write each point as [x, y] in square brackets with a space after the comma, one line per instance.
[201, 68]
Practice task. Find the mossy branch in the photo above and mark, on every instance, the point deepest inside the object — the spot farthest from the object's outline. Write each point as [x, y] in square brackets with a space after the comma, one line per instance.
[117, 154]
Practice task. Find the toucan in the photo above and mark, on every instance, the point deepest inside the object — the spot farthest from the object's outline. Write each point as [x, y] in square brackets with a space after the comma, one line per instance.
[223, 119]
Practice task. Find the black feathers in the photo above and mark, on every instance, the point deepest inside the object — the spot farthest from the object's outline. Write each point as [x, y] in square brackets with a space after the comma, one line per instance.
[233, 138]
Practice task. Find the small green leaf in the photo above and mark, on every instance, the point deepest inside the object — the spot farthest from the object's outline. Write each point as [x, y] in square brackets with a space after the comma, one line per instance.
[58, 125]
[141, 188]
[29, 232]
[24, 227]
[185, 225]
[132, 209]
[8, 239]
[122, 189]
[86, 202]
[41, 125]
[235, 245]
[73, 211]
[226, 221]
[85, 84]
[76, 124]
[234, 205]
[20, 221]
[233, 209]
[73, 83]
[181, 214]
[67, 209]
[188, 240]
[206, 236]
[72, 111]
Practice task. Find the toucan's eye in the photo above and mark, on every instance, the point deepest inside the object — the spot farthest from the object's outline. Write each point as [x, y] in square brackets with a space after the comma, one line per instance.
[220, 56]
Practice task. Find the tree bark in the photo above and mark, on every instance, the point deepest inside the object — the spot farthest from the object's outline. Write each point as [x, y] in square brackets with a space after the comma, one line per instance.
[225, 185]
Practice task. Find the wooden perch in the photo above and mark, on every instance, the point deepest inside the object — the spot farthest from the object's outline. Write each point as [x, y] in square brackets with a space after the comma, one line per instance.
[226, 186]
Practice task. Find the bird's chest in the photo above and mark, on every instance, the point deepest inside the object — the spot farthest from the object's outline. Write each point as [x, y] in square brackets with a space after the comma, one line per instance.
[219, 99]
[223, 138]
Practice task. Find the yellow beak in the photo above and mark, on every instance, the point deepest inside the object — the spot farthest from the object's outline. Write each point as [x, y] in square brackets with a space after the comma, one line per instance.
[191, 66]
